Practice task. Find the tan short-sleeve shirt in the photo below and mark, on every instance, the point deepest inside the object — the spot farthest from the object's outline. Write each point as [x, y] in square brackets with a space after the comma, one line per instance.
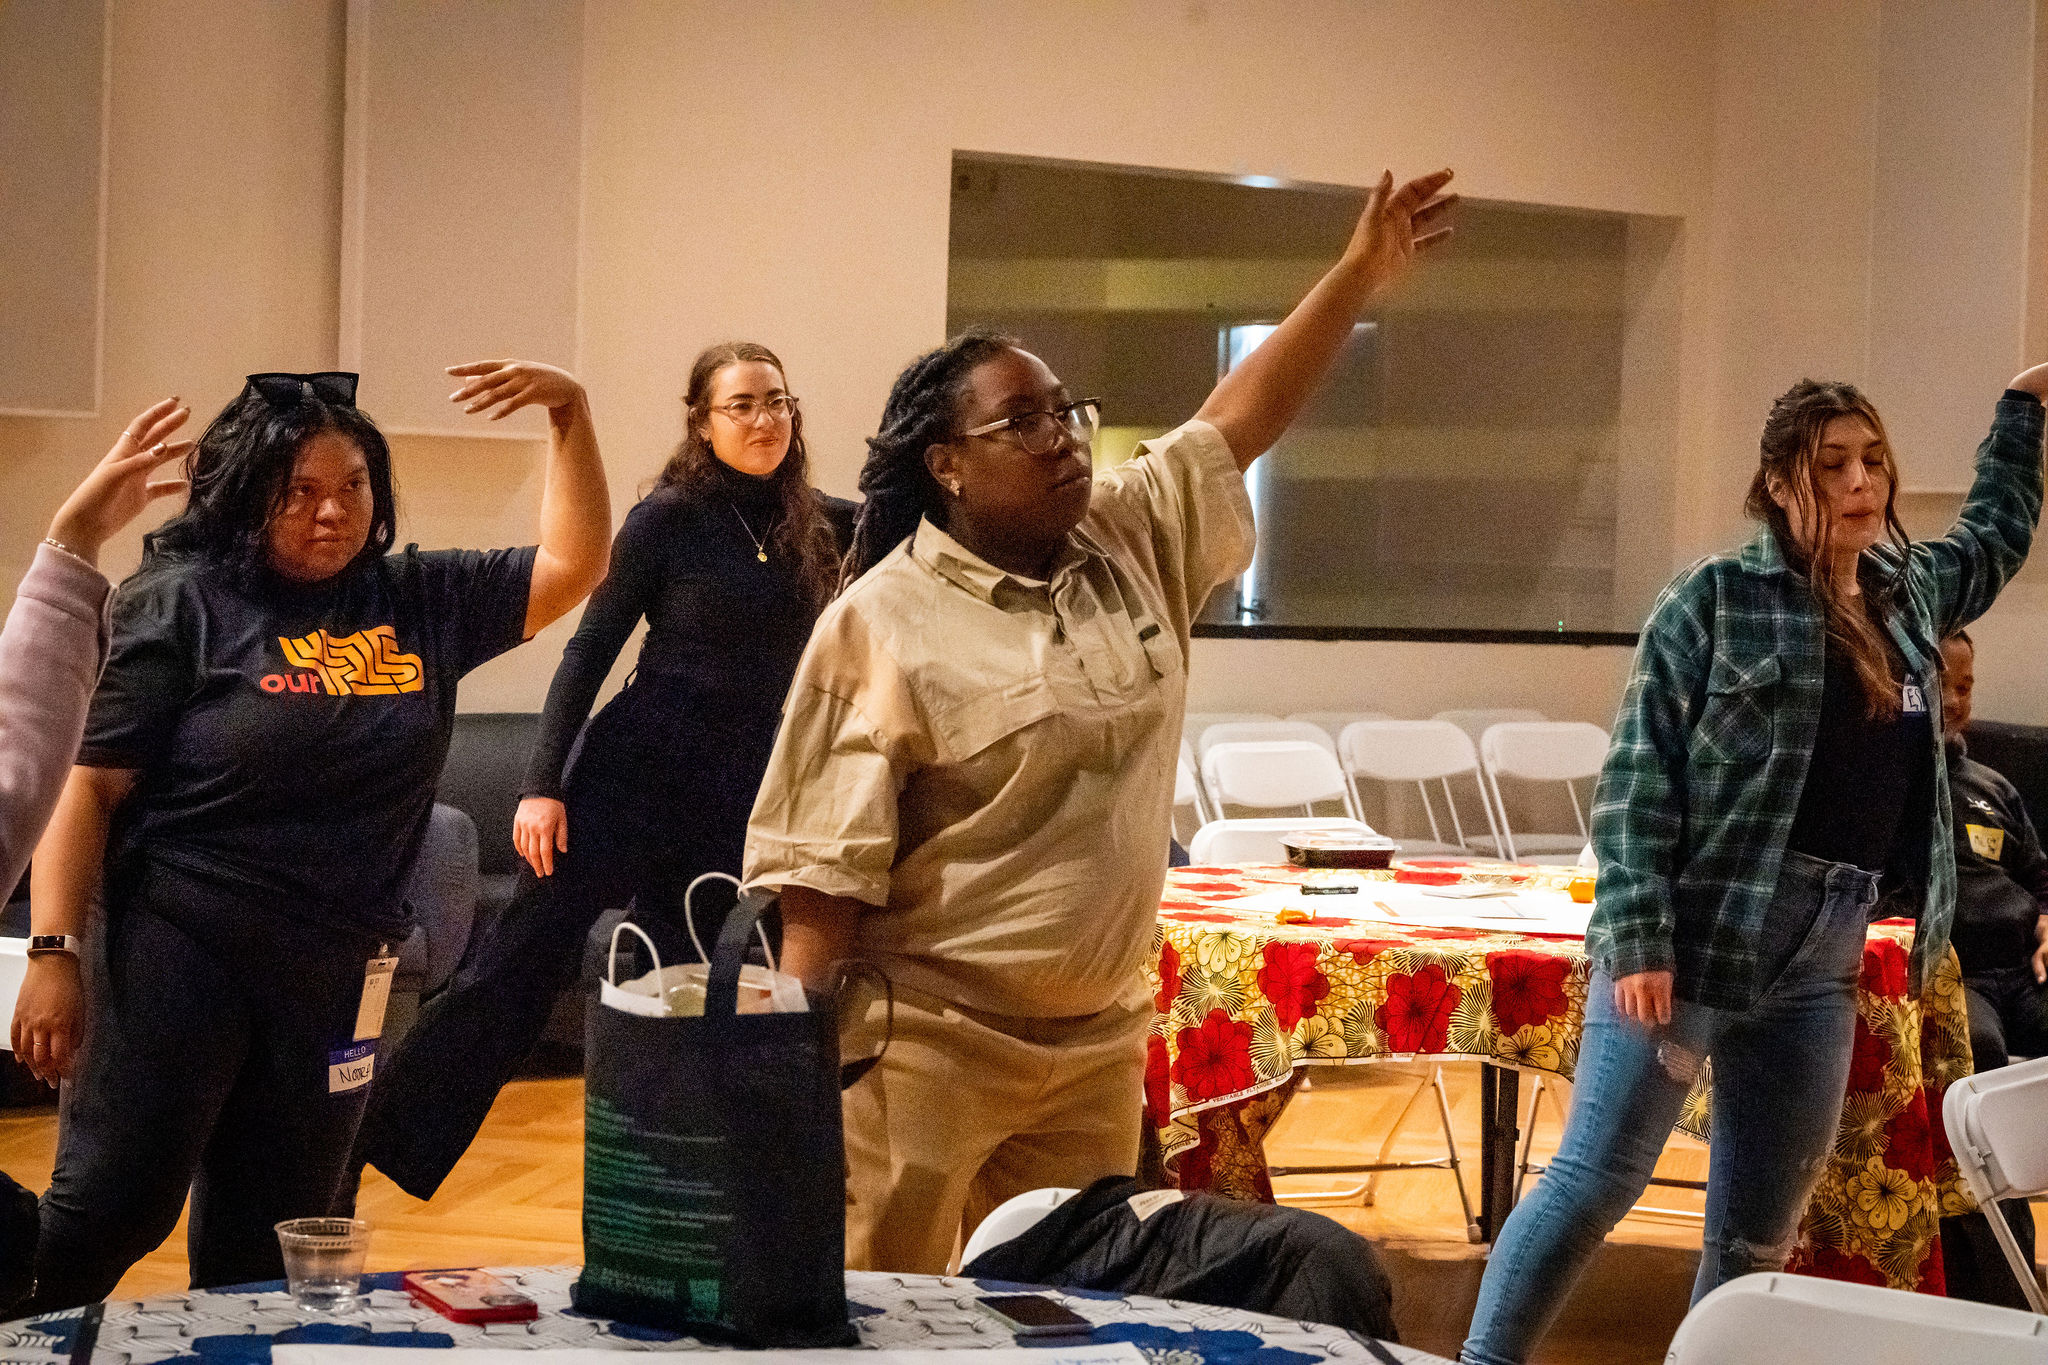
[989, 760]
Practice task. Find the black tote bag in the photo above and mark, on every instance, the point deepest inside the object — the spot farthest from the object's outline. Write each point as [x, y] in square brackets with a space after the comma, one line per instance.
[714, 1193]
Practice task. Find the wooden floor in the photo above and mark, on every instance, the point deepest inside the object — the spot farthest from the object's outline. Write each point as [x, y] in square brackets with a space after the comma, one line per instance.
[516, 1197]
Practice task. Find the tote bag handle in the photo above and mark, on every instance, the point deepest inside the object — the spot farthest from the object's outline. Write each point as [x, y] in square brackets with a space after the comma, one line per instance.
[611, 962]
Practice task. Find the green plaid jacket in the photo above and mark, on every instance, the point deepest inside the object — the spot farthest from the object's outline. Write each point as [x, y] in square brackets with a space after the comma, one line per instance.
[1717, 725]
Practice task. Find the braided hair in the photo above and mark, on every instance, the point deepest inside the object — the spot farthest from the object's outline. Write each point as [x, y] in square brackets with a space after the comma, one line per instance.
[897, 484]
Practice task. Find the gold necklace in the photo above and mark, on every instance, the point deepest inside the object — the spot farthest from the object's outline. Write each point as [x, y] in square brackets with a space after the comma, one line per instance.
[760, 548]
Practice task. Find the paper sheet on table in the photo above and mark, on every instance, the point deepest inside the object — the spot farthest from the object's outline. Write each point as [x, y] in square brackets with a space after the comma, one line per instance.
[1533, 912]
[1119, 1353]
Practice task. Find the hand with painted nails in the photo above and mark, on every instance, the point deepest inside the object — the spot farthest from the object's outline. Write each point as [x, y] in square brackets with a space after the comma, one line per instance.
[119, 486]
[501, 387]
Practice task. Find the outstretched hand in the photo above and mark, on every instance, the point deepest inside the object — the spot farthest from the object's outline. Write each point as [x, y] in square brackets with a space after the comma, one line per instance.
[505, 386]
[1398, 224]
[119, 486]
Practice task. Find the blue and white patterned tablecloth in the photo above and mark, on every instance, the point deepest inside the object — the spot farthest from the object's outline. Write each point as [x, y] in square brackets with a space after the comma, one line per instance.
[237, 1327]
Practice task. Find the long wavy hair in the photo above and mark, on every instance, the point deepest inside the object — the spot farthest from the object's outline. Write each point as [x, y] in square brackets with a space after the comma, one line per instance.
[801, 532]
[1790, 448]
[241, 471]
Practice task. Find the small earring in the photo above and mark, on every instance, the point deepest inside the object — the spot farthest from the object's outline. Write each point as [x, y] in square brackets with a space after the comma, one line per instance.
[953, 487]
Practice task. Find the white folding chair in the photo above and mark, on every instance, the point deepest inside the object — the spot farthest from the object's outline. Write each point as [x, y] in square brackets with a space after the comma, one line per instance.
[1187, 790]
[1332, 723]
[1195, 722]
[1418, 751]
[1997, 1124]
[1263, 732]
[1270, 775]
[1013, 1218]
[1802, 1320]
[1567, 751]
[1259, 841]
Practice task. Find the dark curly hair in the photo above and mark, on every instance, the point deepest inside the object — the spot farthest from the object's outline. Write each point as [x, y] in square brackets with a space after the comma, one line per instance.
[241, 471]
[1790, 442]
[801, 531]
[922, 411]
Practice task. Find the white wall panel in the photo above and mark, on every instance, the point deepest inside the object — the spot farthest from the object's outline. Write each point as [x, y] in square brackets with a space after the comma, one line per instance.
[53, 128]
[461, 191]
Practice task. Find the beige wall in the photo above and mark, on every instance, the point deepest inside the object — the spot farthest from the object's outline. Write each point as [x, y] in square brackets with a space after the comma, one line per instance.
[790, 182]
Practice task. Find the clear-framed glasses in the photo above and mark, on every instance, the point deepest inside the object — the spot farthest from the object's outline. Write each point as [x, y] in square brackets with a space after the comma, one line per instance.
[746, 411]
[1040, 432]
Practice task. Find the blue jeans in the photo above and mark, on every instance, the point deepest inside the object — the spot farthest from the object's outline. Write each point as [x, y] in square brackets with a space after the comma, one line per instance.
[1779, 1071]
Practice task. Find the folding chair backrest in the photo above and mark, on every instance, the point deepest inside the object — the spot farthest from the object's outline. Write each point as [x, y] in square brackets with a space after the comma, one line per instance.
[1332, 723]
[1186, 792]
[1264, 731]
[1013, 1218]
[1764, 1319]
[1997, 1124]
[1545, 751]
[1406, 750]
[1258, 841]
[1195, 722]
[1475, 721]
[1271, 774]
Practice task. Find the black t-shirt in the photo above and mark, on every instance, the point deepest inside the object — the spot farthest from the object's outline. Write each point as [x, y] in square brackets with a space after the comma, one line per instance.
[288, 737]
[2001, 873]
[724, 627]
[1868, 778]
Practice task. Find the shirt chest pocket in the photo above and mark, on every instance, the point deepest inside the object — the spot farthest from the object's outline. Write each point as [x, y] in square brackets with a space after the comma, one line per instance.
[977, 723]
[1735, 724]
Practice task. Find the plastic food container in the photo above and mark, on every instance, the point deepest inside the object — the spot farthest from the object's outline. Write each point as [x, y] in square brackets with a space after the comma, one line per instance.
[1317, 848]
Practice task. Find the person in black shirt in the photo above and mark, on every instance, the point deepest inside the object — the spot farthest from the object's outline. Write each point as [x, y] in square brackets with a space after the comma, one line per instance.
[729, 559]
[256, 778]
[2000, 936]
[2001, 924]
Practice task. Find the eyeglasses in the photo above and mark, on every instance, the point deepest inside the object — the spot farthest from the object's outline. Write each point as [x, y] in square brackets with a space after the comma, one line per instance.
[746, 411]
[281, 389]
[1040, 432]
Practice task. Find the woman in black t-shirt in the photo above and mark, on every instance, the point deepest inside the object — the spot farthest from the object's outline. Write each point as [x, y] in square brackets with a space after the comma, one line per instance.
[256, 778]
[729, 559]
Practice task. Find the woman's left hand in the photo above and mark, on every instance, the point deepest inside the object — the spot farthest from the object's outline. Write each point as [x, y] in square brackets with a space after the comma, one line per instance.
[505, 386]
[2034, 381]
[1397, 224]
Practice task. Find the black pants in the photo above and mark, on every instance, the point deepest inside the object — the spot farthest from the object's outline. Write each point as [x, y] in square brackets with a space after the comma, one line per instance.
[206, 1067]
[648, 811]
[2008, 1014]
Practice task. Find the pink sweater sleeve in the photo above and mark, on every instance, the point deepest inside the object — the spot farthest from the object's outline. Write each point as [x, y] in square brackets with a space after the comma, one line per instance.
[51, 653]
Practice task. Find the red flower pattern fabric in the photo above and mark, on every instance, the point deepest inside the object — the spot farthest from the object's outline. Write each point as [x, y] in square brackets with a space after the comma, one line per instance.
[1158, 1082]
[1909, 1145]
[1291, 981]
[1216, 1057]
[1169, 978]
[1867, 1062]
[1417, 1015]
[1528, 988]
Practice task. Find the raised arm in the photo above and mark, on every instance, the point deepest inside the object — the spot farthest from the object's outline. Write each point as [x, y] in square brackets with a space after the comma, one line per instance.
[1255, 403]
[575, 504]
[1964, 571]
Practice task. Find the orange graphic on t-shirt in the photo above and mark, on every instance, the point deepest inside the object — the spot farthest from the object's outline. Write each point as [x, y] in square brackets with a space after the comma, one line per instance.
[368, 663]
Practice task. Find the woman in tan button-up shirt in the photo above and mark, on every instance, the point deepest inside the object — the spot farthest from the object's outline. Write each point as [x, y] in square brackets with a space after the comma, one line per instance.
[972, 787]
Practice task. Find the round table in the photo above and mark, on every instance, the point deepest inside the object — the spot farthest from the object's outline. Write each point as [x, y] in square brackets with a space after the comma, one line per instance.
[891, 1312]
[1245, 1001]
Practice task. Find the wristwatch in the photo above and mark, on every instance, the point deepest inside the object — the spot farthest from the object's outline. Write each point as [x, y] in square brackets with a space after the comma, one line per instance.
[40, 944]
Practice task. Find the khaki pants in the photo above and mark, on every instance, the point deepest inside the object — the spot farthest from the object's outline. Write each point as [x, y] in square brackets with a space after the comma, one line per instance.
[968, 1109]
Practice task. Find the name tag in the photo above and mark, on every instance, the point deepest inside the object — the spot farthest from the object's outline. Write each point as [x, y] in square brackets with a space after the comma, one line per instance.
[377, 977]
[1985, 841]
[1915, 701]
[351, 1067]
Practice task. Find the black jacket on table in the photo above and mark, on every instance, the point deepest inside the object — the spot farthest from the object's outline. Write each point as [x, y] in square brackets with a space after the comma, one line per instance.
[2001, 872]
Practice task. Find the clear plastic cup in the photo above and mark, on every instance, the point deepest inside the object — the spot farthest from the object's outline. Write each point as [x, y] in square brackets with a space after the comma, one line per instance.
[323, 1261]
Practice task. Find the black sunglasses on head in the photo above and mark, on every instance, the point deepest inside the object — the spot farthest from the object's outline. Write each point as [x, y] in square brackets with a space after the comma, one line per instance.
[281, 389]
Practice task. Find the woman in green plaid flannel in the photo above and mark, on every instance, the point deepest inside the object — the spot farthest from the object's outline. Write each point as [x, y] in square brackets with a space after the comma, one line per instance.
[1776, 762]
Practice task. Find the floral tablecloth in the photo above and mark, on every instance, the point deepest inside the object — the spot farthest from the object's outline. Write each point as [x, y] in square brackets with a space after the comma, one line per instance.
[1244, 1001]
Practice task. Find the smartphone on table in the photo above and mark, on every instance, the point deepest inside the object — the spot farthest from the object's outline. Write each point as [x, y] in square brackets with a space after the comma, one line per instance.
[470, 1296]
[1035, 1315]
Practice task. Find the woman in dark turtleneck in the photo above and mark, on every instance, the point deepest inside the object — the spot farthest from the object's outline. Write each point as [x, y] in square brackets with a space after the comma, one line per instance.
[729, 558]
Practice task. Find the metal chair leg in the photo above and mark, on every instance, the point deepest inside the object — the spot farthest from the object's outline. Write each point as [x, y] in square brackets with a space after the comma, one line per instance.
[1372, 1182]
[1473, 1232]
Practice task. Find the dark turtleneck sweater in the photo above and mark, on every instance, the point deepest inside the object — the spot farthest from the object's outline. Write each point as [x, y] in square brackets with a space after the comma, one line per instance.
[724, 629]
